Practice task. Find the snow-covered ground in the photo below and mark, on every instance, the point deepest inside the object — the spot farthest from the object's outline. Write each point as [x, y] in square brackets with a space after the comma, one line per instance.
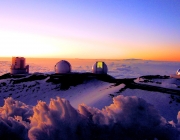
[93, 109]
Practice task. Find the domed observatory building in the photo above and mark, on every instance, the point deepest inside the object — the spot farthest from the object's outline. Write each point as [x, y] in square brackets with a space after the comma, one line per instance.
[18, 66]
[177, 75]
[178, 72]
[63, 66]
[100, 68]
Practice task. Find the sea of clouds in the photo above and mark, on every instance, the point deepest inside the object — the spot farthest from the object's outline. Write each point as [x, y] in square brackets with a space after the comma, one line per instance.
[128, 118]
[130, 68]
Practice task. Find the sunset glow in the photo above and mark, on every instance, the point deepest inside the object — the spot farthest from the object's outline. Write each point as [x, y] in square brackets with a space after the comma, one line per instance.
[89, 29]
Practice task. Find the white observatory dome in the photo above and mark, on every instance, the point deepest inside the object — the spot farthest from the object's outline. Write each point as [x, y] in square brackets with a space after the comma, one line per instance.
[63, 67]
[100, 68]
[178, 72]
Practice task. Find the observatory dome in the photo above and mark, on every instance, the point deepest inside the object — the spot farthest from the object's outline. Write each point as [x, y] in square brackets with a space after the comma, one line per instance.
[100, 68]
[63, 66]
[178, 72]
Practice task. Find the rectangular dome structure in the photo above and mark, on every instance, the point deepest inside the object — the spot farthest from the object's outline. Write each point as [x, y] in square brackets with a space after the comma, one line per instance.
[18, 66]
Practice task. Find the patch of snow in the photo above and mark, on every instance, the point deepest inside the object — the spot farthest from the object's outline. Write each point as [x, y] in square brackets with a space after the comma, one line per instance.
[171, 83]
[162, 102]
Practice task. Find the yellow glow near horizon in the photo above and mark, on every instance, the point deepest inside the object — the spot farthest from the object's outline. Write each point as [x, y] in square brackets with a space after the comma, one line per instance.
[32, 45]
[41, 46]
[21, 44]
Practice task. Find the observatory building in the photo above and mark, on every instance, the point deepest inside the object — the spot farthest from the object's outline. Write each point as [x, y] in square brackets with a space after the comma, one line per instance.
[100, 68]
[63, 66]
[178, 72]
[18, 66]
[177, 75]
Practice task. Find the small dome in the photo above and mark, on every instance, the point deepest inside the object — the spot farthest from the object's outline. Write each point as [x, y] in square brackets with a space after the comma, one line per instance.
[63, 67]
[100, 68]
[178, 72]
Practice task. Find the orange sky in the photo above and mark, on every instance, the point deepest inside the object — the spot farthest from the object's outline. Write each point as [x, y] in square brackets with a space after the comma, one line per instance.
[41, 46]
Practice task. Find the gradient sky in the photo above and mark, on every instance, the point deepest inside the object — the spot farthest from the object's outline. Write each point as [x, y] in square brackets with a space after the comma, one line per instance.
[110, 29]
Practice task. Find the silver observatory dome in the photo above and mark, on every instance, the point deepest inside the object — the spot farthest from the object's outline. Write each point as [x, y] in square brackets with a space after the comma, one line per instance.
[100, 68]
[178, 72]
[63, 66]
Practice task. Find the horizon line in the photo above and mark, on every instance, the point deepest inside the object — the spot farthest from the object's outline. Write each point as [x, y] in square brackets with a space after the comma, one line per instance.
[94, 58]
